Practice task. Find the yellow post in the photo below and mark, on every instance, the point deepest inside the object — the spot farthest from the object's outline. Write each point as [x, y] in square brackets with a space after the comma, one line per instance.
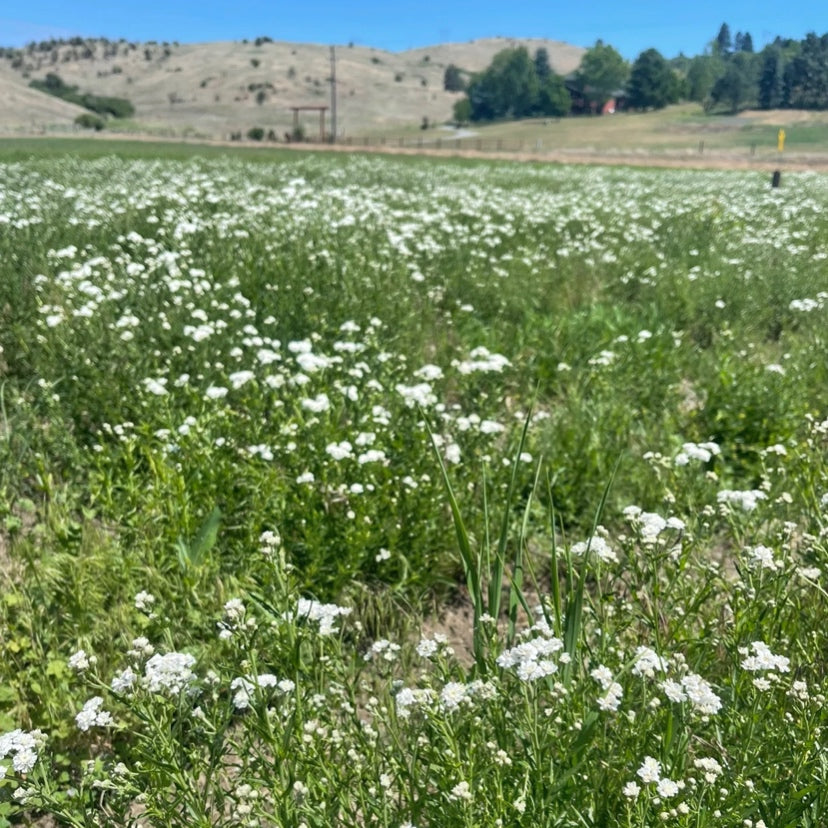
[780, 140]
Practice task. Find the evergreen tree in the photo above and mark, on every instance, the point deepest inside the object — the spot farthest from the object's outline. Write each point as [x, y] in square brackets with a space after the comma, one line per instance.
[723, 43]
[542, 67]
[771, 79]
[806, 76]
[652, 84]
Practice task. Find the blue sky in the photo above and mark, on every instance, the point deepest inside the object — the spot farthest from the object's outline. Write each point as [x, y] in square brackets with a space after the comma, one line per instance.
[670, 27]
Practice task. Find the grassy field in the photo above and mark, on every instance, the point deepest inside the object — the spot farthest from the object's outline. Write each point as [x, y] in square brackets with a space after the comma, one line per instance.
[676, 129]
[349, 490]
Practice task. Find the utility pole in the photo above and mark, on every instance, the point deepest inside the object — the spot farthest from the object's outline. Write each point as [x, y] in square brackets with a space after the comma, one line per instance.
[333, 95]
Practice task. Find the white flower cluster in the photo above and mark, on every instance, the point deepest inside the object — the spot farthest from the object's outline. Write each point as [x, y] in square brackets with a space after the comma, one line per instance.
[429, 647]
[383, 649]
[648, 662]
[170, 673]
[245, 688]
[80, 661]
[23, 746]
[747, 501]
[611, 700]
[92, 715]
[411, 698]
[695, 689]
[699, 452]
[650, 525]
[763, 659]
[598, 546]
[761, 557]
[532, 658]
[650, 773]
[324, 614]
[481, 360]
[269, 542]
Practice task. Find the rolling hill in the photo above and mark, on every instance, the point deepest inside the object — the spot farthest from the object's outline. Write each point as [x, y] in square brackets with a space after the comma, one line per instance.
[212, 90]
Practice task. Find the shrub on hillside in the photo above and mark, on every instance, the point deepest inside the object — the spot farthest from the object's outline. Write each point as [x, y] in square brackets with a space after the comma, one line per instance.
[89, 121]
[255, 133]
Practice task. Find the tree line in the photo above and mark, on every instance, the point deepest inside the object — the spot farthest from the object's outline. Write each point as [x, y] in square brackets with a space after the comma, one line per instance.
[728, 75]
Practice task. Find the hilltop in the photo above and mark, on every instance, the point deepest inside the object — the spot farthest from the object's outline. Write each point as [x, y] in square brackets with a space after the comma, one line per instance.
[216, 89]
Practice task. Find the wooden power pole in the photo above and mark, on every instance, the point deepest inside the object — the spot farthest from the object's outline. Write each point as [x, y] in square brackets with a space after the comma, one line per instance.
[333, 95]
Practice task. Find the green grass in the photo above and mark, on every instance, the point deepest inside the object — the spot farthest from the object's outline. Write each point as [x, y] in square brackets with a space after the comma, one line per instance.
[582, 410]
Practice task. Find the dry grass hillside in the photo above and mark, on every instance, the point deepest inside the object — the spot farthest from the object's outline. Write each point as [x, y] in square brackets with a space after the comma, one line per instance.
[25, 109]
[215, 89]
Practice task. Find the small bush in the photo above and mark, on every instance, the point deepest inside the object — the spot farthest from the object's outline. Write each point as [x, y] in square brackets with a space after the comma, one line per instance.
[254, 62]
[89, 121]
[255, 134]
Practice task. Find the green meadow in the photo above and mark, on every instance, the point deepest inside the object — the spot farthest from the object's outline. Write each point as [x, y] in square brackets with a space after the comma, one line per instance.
[362, 491]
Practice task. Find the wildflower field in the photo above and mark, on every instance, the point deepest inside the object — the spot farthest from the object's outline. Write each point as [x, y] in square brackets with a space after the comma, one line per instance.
[263, 424]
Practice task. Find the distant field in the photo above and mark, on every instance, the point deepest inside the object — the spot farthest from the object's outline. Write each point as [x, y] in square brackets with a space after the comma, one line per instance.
[680, 128]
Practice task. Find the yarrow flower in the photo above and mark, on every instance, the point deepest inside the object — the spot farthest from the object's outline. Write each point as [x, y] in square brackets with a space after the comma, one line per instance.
[596, 546]
[650, 770]
[747, 501]
[647, 662]
[764, 659]
[532, 658]
[23, 746]
[245, 688]
[324, 614]
[170, 673]
[92, 715]
[410, 698]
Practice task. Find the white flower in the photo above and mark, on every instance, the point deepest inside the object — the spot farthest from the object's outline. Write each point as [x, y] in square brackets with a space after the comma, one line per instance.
[240, 378]
[673, 690]
[453, 695]
[427, 648]
[318, 404]
[461, 791]
[650, 770]
[144, 601]
[603, 675]
[169, 673]
[123, 681]
[701, 694]
[156, 386]
[764, 659]
[408, 698]
[340, 451]
[324, 614]
[79, 661]
[612, 699]
[666, 788]
[712, 769]
[761, 557]
[647, 662]
[631, 790]
[597, 546]
[215, 392]
[92, 715]
[745, 500]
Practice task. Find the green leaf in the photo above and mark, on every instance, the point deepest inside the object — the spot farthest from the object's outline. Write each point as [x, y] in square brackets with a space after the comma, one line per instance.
[195, 553]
